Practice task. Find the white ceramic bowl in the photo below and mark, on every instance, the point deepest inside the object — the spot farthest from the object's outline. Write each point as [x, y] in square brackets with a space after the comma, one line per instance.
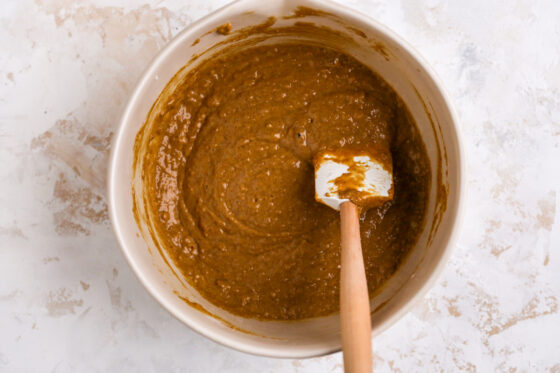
[414, 81]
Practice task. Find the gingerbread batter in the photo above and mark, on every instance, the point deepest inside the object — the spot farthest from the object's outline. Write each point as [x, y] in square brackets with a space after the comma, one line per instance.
[228, 177]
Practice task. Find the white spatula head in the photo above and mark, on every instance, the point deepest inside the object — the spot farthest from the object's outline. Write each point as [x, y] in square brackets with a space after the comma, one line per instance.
[363, 177]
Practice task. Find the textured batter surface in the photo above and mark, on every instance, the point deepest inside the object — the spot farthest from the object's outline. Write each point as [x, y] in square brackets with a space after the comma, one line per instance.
[229, 180]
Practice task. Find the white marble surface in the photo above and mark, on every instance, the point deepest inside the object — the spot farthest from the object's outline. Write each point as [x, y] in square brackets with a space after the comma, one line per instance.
[69, 302]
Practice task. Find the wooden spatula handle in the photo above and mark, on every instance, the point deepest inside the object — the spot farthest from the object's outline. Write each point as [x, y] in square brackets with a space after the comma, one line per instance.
[355, 319]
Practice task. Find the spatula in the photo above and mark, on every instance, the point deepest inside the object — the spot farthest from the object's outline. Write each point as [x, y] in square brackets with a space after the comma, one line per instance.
[351, 181]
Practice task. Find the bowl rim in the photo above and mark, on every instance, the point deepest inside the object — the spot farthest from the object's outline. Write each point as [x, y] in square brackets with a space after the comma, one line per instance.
[271, 351]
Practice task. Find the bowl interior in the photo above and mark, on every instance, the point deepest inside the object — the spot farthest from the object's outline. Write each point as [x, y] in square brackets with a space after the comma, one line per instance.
[377, 48]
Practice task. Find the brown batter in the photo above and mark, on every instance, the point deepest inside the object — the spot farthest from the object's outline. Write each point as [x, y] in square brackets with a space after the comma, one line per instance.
[229, 185]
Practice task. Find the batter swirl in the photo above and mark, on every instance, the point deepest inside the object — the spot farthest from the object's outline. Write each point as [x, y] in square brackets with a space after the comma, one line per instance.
[228, 177]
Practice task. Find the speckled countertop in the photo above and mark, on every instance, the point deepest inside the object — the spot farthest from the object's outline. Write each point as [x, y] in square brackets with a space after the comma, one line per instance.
[70, 303]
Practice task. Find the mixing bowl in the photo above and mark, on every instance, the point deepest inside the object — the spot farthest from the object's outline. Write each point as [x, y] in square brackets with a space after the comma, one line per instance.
[375, 46]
